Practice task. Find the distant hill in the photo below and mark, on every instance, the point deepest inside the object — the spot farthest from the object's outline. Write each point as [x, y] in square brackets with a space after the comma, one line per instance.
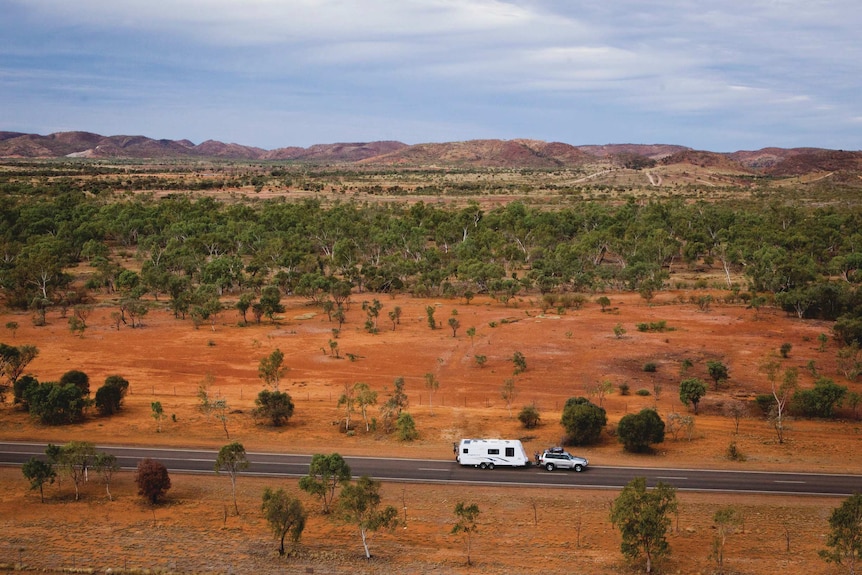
[89, 145]
[487, 154]
[518, 153]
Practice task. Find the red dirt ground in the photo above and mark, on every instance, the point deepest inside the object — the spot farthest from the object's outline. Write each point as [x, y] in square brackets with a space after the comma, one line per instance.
[167, 360]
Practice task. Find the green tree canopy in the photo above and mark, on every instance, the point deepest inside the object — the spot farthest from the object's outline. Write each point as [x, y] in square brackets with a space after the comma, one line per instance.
[718, 372]
[820, 401]
[77, 378]
[529, 416]
[55, 404]
[109, 397]
[285, 515]
[232, 459]
[325, 474]
[691, 391]
[466, 516]
[271, 368]
[276, 406]
[643, 518]
[360, 505]
[38, 473]
[583, 421]
[637, 431]
[844, 540]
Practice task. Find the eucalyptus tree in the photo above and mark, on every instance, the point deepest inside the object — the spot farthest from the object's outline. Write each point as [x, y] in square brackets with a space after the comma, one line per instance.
[365, 398]
[360, 505]
[643, 518]
[271, 369]
[38, 472]
[37, 273]
[76, 457]
[325, 474]
[466, 515]
[14, 361]
[285, 515]
[106, 465]
[232, 459]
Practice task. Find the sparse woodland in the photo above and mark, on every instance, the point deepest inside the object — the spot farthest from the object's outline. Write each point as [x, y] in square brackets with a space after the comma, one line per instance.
[204, 248]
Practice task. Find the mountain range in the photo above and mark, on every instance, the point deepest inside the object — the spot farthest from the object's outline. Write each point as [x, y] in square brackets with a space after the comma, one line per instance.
[518, 153]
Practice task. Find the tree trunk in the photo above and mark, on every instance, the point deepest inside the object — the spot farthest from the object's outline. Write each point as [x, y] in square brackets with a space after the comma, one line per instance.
[364, 534]
[233, 489]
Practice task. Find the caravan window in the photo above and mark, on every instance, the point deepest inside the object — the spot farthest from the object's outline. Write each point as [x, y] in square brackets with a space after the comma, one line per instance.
[493, 451]
[510, 452]
[465, 450]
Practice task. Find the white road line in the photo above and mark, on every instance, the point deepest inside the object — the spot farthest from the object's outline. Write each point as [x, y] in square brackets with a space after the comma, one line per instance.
[432, 469]
[779, 481]
[670, 477]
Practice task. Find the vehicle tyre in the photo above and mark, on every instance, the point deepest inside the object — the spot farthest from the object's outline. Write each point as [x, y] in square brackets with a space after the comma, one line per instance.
[579, 467]
[490, 466]
[549, 466]
[483, 465]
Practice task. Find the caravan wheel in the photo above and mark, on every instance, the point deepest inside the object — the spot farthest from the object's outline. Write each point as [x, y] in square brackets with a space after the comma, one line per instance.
[490, 466]
[483, 465]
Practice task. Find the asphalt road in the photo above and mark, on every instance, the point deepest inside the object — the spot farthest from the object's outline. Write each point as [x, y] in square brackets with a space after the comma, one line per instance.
[446, 471]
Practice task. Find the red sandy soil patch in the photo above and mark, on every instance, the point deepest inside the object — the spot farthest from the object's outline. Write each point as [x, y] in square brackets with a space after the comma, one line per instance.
[167, 360]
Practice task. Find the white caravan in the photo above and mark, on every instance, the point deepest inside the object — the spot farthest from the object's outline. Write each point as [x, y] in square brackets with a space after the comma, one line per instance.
[488, 453]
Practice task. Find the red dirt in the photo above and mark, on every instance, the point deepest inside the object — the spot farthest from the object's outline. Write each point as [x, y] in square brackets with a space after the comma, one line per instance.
[166, 360]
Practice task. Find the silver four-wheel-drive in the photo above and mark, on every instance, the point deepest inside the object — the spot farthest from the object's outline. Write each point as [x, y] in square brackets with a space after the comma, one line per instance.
[557, 458]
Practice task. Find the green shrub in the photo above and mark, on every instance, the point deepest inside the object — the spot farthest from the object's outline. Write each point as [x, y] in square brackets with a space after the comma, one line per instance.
[654, 326]
[765, 401]
[733, 453]
[643, 392]
[820, 401]
[650, 367]
[529, 417]
[636, 431]
[406, 427]
[583, 421]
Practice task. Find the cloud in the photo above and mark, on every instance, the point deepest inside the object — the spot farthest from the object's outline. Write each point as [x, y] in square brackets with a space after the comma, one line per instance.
[257, 22]
[495, 66]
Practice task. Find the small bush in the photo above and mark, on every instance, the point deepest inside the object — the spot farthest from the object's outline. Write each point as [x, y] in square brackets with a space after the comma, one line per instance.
[785, 348]
[686, 365]
[650, 367]
[529, 417]
[624, 388]
[733, 453]
[406, 427]
[643, 392]
[654, 326]
[765, 401]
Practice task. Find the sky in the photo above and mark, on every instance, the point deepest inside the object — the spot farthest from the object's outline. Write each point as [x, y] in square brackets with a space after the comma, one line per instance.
[720, 75]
